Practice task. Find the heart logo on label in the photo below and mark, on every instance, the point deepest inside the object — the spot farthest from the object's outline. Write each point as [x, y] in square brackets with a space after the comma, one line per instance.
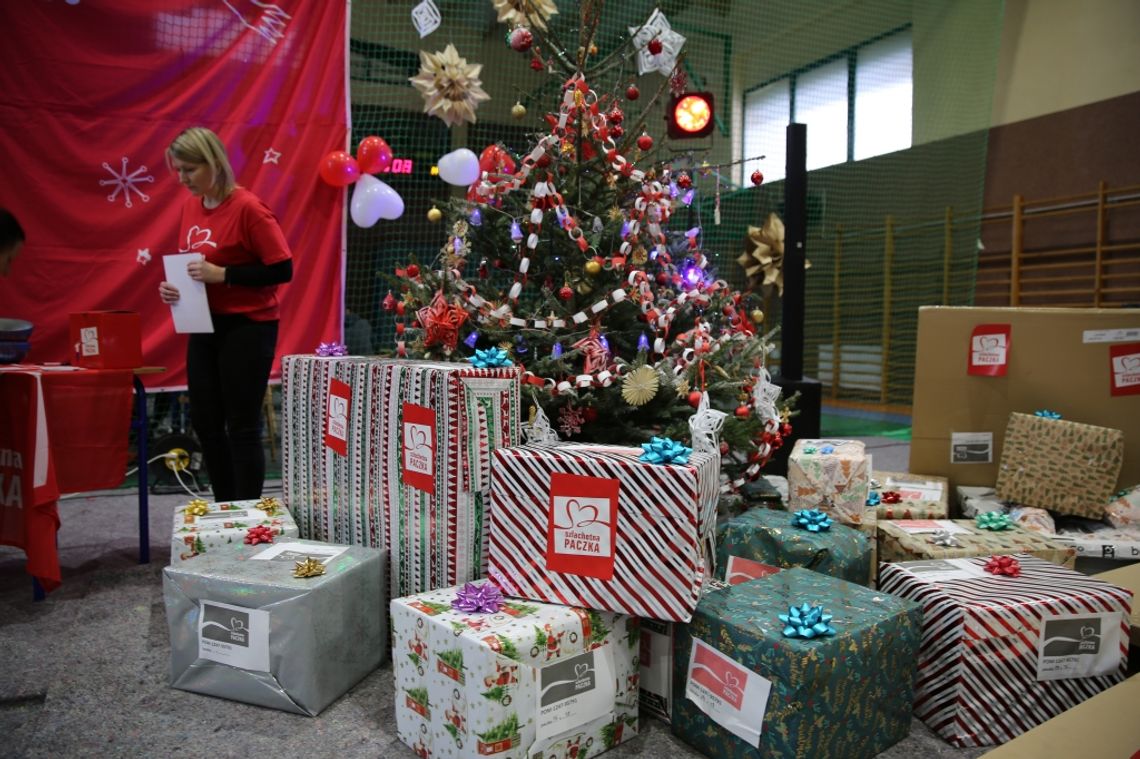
[1130, 363]
[196, 237]
[990, 343]
[1088, 632]
[236, 624]
[578, 515]
[419, 439]
[581, 670]
[731, 680]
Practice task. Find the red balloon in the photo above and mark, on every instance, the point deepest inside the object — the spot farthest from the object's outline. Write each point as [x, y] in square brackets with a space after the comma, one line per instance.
[374, 155]
[496, 160]
[339, 169]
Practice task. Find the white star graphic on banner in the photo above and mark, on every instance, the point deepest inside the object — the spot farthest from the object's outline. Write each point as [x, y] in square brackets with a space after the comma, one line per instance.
[143, 256]
[271, 156]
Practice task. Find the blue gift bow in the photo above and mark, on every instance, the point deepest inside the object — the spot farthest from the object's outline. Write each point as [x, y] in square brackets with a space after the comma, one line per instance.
[1045, 413]
[663, 450]
[827, 449]
[490, 358]
[873, 499]
[806, 621]
[812, 520]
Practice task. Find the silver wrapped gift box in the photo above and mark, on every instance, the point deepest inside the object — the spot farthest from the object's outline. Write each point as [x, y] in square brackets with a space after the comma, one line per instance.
[244, 628]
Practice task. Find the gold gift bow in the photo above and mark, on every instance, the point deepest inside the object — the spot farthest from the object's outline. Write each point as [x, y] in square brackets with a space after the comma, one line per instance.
[764, 254]
[310, 567]
[197, 507]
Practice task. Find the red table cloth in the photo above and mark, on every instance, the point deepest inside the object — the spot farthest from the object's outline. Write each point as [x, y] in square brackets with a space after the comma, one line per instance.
[60, 431]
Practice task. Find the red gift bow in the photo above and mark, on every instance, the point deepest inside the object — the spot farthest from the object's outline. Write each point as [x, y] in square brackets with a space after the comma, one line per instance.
[890, 496]
[1003, 565]
[259, 534]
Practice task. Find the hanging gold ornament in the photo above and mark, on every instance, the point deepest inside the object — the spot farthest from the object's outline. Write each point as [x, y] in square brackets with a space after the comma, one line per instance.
[763, 257]
[757, 316]
[682, 388]
[525, 12]
[593, 268]
[450, 86]
[639, 256]
[310, 567]
[434, 214]
[640, 386]
[518, 110]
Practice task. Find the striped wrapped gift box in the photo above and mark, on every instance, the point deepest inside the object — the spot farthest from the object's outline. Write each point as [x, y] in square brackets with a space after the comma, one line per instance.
[318, 482]
[432, 428]
[1002, 654]
[592, 526]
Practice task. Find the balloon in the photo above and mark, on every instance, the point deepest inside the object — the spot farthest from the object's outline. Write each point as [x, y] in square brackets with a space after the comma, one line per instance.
[374, 155]
[496, 160]
[459, 167]
[373, 200]
[339, 169]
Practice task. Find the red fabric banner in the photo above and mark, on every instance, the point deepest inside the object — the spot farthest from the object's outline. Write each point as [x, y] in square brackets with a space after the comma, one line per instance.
[91, 94]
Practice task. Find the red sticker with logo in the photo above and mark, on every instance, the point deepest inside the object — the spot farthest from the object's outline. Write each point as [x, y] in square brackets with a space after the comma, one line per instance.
[418, 450]
[581, 527]
[336, 416]
[741, 570]
[1125, 368]
[988, 354]
[721, 675]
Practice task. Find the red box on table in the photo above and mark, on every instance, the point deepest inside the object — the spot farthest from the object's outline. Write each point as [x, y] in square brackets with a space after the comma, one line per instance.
[106, 339]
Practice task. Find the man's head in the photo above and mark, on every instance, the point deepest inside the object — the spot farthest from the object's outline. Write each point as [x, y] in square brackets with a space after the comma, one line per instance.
[11, 240]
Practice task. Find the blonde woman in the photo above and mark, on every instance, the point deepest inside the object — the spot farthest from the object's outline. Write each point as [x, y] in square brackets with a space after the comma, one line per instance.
[246, 258]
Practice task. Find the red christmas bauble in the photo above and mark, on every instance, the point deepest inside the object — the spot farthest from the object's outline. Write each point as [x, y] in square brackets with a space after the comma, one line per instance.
[521, 39]
[413, 271]
[684, 181]
[757, 177]
[537, 64]
[389, 302]
[655, 46]
[616, 131]
[543, 161]
[590, 414]
[662, 278]
[723, 448]
[645, 142]
[632, 93]
[743, 411]
[615, 115]
[695, 398]
[566, 292]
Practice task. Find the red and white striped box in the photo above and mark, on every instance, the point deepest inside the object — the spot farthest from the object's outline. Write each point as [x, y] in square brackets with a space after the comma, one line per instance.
[593, 526]
[1002, 654]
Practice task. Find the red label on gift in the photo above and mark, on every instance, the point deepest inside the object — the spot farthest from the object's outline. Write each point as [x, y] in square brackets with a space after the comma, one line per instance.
[988, 354]
[336, 416]
[741, 570]
[419, 447]
[1125, 368]
[719, 674]
[581, 527]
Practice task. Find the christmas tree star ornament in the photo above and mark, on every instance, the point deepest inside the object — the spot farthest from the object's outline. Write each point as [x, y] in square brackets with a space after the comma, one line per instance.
[705, 426]
[441, 322]
[450, 86]
[640, 386]
[538, 431]
[525, 13]
[310, 567]
[666, 42]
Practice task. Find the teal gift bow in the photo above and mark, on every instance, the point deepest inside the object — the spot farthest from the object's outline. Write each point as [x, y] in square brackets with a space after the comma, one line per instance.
[490, 358]
[1045, 413]
[993, 520]
[662, 450]
[873, 499]
[806, 621]
[812, 520]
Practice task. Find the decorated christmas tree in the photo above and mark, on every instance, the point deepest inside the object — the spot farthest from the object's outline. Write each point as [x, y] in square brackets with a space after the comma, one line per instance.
[571, 259]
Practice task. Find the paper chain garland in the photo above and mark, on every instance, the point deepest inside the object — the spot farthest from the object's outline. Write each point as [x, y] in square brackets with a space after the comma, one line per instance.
[806, 621]
[993, 520]
[484, 598]
[812, 520]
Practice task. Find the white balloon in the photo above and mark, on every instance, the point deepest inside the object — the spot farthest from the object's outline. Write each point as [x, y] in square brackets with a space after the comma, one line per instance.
[391, 204]
[365, 208]
[459, 167]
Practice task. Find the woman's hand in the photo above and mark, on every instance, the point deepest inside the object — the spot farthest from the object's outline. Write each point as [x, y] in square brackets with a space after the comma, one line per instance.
[168, 293]
[204, 271]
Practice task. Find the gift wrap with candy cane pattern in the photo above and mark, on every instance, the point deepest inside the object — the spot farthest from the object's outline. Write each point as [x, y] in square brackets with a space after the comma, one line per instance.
[322, 488]
[769, 537]
[530, 680]
[1059, 465]
[1003, 654]
[222, 529]
[594, 526]
[844, 695]
[920, 496]
[434, 427]
[898, 543]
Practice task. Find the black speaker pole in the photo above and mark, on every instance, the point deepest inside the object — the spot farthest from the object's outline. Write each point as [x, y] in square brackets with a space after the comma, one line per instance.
[795, 232]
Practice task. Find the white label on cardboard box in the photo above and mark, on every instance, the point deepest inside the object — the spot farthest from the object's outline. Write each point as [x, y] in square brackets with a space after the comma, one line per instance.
[941, 570]
[733, 696]
[1111, 335]
[1078, 645]
[915, 491]
[575, 691]
[914, 526]
[299, 552]
[222, 516]
[233, 635]
[971, 447]
[89, 341]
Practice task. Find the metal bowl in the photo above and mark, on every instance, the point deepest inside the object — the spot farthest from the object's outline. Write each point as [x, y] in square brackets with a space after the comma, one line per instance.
[15, 330]
[12, 351]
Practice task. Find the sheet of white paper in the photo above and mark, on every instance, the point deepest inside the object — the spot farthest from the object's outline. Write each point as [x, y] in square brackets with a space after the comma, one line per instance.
[192, 311]
[299, 552]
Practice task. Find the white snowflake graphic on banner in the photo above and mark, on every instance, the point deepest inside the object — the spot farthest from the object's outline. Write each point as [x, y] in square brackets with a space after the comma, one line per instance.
[126, 183]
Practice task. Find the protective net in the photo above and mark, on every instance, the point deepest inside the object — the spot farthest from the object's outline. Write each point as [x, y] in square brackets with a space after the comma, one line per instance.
[896, 96]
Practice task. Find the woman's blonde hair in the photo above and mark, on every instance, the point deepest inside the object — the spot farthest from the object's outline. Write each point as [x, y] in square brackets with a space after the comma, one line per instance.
[200, 145]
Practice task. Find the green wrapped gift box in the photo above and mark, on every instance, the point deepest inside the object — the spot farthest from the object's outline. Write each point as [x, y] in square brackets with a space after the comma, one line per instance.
[769, 537]
[844, 695]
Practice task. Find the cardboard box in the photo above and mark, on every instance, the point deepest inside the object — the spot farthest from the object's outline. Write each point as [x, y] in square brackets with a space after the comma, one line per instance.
[909, 540]
[1058, 358]
[106, 339]
[1128, 578]
[1105, 725]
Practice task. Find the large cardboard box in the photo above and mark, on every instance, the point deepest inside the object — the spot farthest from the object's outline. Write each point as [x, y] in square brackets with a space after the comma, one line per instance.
[1057, 358]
